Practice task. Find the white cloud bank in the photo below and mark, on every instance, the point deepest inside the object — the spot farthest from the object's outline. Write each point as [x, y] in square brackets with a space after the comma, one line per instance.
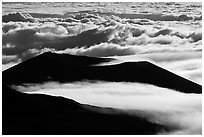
[160, 105]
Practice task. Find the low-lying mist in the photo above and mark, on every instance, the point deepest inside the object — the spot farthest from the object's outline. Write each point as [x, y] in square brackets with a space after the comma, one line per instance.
[159, 105]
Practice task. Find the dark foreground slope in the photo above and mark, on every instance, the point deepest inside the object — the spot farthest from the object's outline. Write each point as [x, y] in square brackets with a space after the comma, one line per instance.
[69, 68]
[44, 114]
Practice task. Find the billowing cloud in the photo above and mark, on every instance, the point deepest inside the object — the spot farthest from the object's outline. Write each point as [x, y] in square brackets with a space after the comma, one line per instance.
[101, 35]
[196, 36]
[48, 36]
[60, 34]
[102, 50]
[7, 59]
[160, 105]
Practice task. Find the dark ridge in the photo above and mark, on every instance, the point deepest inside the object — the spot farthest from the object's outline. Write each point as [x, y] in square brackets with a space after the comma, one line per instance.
[43, 15]
[15, 17]
[69, 59]
[69, 68]
[37, 114]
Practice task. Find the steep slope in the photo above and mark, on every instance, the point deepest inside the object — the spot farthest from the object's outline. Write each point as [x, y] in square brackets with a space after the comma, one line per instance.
[43, 114]
[69, 68]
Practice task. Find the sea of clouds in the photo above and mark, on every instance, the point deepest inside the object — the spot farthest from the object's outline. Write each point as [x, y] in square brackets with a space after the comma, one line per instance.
[103, 35]
[171, 39]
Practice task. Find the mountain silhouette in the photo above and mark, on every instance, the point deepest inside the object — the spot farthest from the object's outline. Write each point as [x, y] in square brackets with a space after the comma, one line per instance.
[38, 114]
[69, 68]
[18, 16]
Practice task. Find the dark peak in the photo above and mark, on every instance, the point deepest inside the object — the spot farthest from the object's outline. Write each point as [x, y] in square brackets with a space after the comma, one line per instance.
[139, 63]
[53, 54]
[18, 16]
[69, 58]
[81, 57]
[68, 68]
[49, 53]
[58, 59]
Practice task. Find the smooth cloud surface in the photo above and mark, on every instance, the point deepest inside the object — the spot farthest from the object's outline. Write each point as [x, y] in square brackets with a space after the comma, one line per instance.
[160, 105]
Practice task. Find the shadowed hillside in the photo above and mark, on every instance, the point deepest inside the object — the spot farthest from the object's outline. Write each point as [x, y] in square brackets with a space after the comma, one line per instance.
[44, 114]
[69, 68]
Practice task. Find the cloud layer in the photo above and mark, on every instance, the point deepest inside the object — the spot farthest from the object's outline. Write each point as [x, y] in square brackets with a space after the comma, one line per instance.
[160, 105]
[85, 33]
[128, 32]
[102, 35]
